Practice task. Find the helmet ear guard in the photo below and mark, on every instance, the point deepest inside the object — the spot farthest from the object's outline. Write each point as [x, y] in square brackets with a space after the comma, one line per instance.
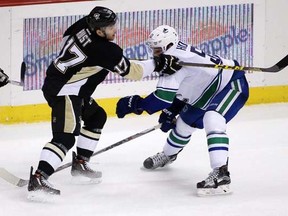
[162, 37]
[100, 17]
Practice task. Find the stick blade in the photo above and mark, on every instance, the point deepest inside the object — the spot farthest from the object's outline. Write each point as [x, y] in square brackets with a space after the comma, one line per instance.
[12, 179]
[277, 67]
[283, 63]
[23, 71]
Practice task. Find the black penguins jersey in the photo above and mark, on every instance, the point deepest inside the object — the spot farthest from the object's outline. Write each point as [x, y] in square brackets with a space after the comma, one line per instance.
[84, 61]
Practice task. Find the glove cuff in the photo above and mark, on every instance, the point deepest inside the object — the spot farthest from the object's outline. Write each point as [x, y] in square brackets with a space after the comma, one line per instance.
[135, 105]
[177, 105]
[158, 64]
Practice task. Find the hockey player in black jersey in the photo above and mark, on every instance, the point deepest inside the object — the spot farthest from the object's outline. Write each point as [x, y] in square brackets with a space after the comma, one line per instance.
[87, 55]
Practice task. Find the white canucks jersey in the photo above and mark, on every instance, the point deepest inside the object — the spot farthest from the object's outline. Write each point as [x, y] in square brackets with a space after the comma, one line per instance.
[196, 85]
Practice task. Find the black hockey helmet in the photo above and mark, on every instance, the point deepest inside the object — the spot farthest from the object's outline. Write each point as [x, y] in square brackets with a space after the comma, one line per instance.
[100, 17]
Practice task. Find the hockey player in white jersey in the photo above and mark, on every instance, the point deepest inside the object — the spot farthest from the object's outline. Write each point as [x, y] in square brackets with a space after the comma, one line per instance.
[206, 98]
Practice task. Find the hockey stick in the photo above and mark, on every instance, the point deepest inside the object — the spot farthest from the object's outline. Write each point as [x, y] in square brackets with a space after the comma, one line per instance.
[12, 179]
[13, 82]
[132, 137]
[9, 177]
[273, 69]
[22, 75]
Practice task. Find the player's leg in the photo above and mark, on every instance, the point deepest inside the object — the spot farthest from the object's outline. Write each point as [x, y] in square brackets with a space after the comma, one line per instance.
[176, 141]
[94, 118]
[218, 146]
[65, 121]
[222, 109]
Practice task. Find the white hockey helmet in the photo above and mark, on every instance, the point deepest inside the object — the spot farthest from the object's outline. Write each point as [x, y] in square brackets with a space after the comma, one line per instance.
[162, 37]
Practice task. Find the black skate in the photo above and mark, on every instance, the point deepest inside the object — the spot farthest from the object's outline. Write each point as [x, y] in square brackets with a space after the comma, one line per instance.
[80, 167]
[39, 189]
[158, 160]
[217, 183]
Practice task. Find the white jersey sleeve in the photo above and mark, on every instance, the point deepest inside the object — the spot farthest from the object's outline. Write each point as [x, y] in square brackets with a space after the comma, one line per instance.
[200, 85]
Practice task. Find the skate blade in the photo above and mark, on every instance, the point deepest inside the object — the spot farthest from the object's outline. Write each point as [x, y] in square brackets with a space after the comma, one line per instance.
[221, 190]
[42, 197]
[82, 180]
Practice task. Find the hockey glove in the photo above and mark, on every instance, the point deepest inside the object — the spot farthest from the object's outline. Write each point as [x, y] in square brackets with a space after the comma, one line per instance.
[128, 105]
[166, 64]
[167, 120]
[168, 116]
[4, 78]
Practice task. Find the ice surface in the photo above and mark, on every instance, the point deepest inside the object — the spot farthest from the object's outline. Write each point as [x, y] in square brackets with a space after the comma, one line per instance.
[258, 164]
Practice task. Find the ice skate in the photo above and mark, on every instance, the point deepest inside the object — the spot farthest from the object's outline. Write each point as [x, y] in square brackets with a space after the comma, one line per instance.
[39, 189]
[158, 160]
[217, 183]
[81, 171]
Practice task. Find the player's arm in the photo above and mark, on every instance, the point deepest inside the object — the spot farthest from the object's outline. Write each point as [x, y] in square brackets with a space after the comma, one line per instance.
[154, 102]
[136, 70]
[160, 99]
[140, 69]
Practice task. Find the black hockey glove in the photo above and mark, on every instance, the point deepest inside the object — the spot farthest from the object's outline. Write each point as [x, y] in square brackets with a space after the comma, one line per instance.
[168, 116]
[166, 64]
[128, 105]
[4, 78]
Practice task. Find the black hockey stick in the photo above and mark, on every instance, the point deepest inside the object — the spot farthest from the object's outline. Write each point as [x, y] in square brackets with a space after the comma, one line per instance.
[22, 75]
[273, 69]
[12, 179]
